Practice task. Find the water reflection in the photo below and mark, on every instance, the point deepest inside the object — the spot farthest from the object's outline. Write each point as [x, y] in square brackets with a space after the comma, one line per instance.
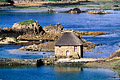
[67, 69]
[18, 66]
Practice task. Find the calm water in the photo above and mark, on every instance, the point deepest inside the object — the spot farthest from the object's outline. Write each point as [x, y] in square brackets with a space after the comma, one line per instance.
[109, 23]
[56, 73]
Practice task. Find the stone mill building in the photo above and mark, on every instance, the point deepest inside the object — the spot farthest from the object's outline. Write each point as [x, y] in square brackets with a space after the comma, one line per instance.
[69, 46]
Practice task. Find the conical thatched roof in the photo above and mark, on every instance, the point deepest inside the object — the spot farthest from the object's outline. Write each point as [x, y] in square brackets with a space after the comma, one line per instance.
[69, 39]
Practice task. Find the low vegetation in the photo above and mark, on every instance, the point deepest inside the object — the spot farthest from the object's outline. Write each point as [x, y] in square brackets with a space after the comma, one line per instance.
[27, 22]
[116, 65]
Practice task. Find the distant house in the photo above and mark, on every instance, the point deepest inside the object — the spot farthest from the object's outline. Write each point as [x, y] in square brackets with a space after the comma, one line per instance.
[69, 46]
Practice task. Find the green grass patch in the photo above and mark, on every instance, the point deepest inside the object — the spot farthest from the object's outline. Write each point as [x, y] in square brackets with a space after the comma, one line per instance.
[27, 22]
[116, 65]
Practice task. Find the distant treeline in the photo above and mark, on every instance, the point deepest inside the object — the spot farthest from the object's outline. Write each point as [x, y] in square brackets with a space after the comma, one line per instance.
[19, 1]
[7, 1]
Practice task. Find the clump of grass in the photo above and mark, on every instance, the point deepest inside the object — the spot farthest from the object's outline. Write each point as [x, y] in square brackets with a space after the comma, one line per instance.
[116, 65]
[27, 22]
[119, 73]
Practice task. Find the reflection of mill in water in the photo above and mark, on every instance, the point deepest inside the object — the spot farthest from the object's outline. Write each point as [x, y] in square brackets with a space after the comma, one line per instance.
[68, 69]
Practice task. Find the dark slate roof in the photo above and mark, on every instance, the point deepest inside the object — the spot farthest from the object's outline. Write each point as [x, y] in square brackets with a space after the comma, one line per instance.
[69, 39]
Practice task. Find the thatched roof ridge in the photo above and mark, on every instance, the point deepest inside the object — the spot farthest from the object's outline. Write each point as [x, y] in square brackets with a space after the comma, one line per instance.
[69, 39]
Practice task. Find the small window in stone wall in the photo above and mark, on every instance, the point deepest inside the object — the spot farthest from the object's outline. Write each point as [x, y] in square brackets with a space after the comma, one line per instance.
[75, 48]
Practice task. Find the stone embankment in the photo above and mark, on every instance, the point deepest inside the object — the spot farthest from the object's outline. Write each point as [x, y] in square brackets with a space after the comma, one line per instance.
[46, 61]
[86, 62]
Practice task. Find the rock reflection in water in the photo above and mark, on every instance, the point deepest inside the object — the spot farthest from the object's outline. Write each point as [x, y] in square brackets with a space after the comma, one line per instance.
[68, 69]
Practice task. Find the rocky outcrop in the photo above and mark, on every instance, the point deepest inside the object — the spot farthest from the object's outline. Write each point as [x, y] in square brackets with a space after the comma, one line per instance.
[57, 28]
[24, 27]
[8, 32]
[44, 47]
[5, 3]
[16, 62]
[88, 45]
[89, 33]
[29, 32]
[75, 11]
[7, 40]
[115, 54]
[49, 46]
[115, 7]
[26, 1]
[53, 32]
[40, 37]
[98, 12]
[28, 26]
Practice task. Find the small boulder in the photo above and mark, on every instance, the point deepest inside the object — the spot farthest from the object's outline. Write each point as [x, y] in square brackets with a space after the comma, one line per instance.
[75, 10]
[98, 12]
[115, 5]
[50, 11]
[57, 28]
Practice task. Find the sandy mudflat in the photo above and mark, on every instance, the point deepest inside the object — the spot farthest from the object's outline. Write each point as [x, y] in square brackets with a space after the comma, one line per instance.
[16, 51]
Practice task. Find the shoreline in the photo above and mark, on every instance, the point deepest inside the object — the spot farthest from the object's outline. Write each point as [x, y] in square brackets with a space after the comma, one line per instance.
[62, 6]
[57, 10]
[83, 62]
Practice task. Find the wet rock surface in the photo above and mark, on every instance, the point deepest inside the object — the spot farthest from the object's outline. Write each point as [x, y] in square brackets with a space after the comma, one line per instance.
[57, 28]
[73, 11]
[30, 32]
[49, 46]
[115, 54]
[28, 26]
[99, 12]
[44, 47]
[9, 61]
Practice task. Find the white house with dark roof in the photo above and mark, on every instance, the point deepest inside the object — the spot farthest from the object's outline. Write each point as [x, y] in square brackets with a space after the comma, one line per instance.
[69, 46]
